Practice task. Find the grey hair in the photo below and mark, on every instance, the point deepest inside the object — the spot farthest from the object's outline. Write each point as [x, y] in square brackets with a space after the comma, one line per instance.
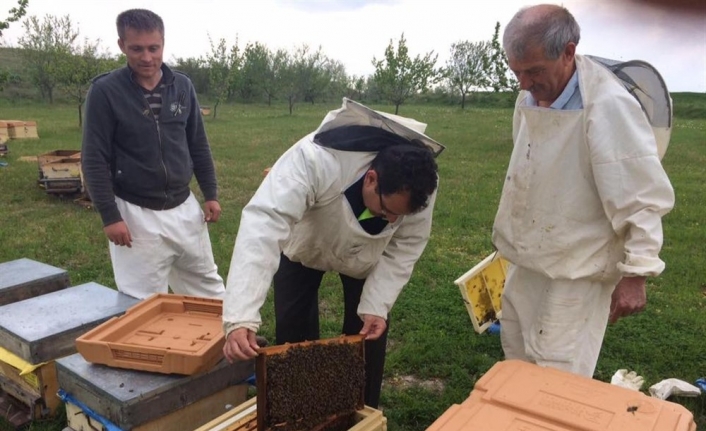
[142, 20]
[548, 26]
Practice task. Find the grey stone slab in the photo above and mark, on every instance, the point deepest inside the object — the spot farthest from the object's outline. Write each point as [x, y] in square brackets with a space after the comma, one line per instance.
[26, 278]
[45, 327]
[129, 398]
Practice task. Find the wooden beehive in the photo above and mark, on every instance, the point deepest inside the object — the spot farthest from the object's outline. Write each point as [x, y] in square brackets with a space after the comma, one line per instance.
[4, 133]
[306, 386]
[244, 418]
[16, 129]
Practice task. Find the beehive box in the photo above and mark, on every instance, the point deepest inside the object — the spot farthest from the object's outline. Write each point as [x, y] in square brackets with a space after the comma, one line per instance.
[32, 386]
[25, 278]
[244, 418]
[164, 333]
[139, 400]
[31, 130]
[334, 370]
[516, 395]
[45, 327]
[66, 175]
[4, 133]
[15, 129]
[482, 288]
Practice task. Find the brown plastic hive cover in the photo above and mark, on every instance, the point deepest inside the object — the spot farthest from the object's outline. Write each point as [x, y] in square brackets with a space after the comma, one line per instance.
[164, 333]
[309, 385]
[519, 396]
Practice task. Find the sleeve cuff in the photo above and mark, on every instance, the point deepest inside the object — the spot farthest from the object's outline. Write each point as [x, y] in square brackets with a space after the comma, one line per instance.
[640, 266]
[229, 327]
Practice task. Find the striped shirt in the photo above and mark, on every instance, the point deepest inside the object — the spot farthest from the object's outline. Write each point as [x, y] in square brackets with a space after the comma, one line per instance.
[154, 98]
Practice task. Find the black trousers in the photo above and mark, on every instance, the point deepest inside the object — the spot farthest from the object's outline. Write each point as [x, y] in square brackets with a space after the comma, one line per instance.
[297, 317]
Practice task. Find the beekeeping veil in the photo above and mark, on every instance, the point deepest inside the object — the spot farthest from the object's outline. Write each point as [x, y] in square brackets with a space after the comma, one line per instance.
[645, 83]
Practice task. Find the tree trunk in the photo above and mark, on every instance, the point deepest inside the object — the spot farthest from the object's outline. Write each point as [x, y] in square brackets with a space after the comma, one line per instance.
[215, 108]
[291, 105]
[463, 100]
[397, 108]
[80, 117]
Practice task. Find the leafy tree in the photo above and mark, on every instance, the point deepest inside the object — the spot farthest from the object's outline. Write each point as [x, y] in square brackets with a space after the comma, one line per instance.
[465, 68]
[197, 71]
[304, 77]
[253, 71]
[222, 64]
[272, 83]
[315, 75]
[496, 68]
[14, 15]
[338, 81]
[45, 45]
[77, 69]
[398, 76]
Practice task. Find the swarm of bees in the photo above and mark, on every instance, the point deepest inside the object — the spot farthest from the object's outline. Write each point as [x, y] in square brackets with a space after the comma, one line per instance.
[311, 386]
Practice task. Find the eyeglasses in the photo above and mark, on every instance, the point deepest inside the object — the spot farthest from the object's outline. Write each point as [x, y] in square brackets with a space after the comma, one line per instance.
[384, 211]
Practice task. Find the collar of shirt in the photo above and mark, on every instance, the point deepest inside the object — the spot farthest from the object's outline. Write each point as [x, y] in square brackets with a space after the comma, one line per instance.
[570, 98]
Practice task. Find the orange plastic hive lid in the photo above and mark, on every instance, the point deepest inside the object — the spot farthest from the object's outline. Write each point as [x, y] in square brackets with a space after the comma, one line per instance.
[164, 333]
[519, 396]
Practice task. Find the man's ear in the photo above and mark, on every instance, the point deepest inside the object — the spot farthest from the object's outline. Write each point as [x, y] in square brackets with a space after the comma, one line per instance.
[121, 44]
[371, 178]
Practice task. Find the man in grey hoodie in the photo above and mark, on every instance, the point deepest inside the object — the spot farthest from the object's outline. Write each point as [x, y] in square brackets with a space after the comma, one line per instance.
[143, 141]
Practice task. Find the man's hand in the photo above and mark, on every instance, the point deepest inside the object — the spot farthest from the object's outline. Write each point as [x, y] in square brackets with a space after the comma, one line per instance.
[373, 326]
[629, 297]
[211, 211]
[118, 234]
[240, 345]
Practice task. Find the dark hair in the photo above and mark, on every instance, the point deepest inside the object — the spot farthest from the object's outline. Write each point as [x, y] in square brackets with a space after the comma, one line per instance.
[403, 168]
[551, 27]
[142, 20]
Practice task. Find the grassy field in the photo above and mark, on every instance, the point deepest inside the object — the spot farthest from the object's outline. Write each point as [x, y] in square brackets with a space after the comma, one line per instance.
[434, 357]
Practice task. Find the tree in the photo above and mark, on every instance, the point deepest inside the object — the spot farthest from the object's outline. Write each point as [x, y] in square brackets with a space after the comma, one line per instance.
[304, 76]
[222, 64]
[465, 68]
[253, 71]
[14, 15]
[496, 68]
[272, 83]
[398, 76]
[45, 45]
[197, 71]
[82, 64]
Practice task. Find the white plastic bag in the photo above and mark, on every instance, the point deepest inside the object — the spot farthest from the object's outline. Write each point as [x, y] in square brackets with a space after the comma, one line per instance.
[669, 387]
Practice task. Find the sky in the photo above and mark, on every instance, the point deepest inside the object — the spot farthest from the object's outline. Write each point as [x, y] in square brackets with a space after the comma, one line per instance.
[355, 31]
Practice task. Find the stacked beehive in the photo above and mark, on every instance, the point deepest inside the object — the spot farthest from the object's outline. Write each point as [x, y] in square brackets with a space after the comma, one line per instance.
[40, 317]
[157, 367]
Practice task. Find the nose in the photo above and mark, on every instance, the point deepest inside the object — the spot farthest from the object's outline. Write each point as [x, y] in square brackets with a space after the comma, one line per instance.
[525, 82]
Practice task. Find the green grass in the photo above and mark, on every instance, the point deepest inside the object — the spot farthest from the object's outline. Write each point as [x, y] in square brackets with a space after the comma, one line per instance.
[431, 336]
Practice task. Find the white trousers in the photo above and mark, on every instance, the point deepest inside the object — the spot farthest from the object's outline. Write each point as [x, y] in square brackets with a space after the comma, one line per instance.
[554, 323]
[169, 248]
